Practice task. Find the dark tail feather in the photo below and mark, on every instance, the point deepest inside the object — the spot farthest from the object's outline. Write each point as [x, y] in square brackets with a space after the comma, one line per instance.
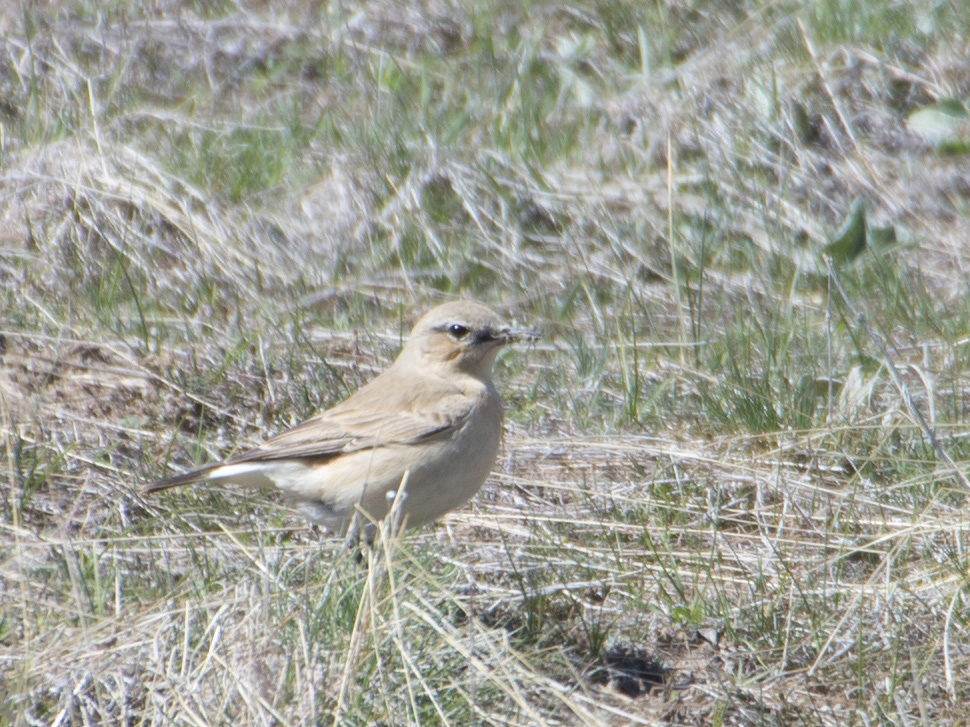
[184, 479]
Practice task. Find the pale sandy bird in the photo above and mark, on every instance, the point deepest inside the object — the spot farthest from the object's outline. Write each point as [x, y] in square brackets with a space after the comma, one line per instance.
[431, 421]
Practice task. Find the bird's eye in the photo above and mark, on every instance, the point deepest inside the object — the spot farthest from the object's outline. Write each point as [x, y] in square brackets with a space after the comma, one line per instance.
[458, 331]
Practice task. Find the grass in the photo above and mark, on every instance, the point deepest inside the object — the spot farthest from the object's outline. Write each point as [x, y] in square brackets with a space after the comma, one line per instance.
[716, 502]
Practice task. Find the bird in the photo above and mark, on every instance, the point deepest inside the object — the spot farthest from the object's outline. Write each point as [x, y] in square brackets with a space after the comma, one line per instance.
[420, 438]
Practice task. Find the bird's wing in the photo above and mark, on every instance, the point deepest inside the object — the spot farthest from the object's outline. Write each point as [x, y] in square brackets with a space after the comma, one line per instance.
[349, 428]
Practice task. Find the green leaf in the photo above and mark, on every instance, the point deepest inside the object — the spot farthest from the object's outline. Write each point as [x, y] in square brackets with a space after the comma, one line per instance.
[882, 236]
[849, 242]
[953, 147]
[944, 123]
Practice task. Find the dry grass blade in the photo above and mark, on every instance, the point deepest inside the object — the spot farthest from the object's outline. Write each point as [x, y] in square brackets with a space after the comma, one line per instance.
[914, 412]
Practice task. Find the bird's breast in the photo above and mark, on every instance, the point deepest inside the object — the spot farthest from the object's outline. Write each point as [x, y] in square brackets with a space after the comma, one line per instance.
[454, 468]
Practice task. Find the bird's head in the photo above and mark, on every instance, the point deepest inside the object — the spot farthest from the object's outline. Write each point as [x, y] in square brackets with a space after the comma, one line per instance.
[461, 336]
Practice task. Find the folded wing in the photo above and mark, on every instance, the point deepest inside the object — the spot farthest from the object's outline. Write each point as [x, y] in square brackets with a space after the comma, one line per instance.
[345, 429]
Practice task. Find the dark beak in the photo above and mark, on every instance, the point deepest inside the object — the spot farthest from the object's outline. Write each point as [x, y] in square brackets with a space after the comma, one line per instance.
[511, 335]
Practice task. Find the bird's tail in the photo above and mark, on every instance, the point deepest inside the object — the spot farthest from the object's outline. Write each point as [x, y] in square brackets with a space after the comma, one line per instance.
[186, 478]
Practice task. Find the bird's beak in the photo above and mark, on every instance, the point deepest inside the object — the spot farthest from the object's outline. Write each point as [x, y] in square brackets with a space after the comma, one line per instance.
[511, 335]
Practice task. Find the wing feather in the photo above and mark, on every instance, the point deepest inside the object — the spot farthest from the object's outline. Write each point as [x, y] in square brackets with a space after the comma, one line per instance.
[391, 409]
[347, 429]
